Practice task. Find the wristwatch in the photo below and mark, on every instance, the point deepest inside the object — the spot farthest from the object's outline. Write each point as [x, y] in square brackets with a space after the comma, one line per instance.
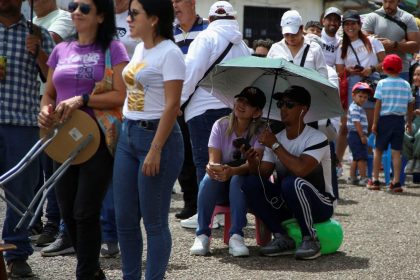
[275, 146]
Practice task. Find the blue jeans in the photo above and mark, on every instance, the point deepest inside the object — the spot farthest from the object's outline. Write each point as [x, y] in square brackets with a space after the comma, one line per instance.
[109, 228]
[295, 198]
[211, 192]
[200, 129]
[137, 196]
[15, 142]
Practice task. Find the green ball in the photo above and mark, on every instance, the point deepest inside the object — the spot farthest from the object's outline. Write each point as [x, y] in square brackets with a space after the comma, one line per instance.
[330, 234]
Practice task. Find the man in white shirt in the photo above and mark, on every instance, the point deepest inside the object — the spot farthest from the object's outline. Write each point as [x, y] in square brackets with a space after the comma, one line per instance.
[295, 48]
[123, 32]
[331, 40]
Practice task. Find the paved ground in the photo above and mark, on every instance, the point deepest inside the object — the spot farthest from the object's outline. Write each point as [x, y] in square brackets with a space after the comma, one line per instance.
[381, 242]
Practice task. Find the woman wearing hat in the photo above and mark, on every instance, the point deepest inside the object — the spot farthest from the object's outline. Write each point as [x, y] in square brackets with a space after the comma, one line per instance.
[226, 164]
[360, 57]
[301, 157]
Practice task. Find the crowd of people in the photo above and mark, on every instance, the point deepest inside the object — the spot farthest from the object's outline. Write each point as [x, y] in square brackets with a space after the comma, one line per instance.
[158, 51]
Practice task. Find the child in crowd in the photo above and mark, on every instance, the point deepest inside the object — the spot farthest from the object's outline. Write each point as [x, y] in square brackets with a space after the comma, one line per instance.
[313, 27]
[357, 126]
[393, 101]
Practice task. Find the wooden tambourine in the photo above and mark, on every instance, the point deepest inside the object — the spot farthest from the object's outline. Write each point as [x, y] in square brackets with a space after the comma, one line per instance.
[70, 136]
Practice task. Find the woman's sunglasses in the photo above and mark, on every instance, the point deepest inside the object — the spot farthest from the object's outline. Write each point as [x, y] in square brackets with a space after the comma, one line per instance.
[132, 14]
[287, 103]
[84, 8]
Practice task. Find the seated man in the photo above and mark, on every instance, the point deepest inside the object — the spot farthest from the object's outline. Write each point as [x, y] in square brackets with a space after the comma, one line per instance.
[301, 156]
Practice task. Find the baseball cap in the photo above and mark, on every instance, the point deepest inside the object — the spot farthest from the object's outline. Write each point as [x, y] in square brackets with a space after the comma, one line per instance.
[295, 93]
[291, 21]
[332, 10]
[362, 86]
[313, 23]
[254, 95]
[392, 63]
[351, 15]
[221, 9]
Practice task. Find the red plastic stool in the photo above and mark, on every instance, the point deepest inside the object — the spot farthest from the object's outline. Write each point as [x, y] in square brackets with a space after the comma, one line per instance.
[262, 234]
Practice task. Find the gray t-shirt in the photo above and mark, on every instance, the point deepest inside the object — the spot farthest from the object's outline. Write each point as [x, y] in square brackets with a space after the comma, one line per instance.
[384, 28]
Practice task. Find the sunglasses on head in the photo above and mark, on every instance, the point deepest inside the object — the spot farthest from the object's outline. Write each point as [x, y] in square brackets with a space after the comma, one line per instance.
[84, 8]
[287, 103]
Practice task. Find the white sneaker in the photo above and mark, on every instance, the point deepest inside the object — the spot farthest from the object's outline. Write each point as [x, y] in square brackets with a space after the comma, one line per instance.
[201, 246]
[237, 246]
[192, 222]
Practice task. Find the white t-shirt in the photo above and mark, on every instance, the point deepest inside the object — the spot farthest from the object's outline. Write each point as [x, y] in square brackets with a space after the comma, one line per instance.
[366, 59]
[310, 142]
[59, 22]
[330, 45]
[124, 33]
[145, 75]
[314, 59]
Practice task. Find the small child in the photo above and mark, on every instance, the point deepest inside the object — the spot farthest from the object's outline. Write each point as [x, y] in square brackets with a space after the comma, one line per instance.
[393, 101]
[357, 127]
[313, 27]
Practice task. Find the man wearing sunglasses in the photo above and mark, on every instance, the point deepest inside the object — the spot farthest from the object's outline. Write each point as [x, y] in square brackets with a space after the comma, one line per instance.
[301, 157]
[26, 55]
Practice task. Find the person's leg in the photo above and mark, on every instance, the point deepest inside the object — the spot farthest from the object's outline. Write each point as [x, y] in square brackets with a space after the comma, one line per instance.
[109, 228]
[396, 164]
[377, 160]
[200, 129]
[341, 139]
[238, 206]
[127, 207]
[93, 180]
[187, 178]
[266, 202]
[353, 167]
[362, 166]
[15, 142]
[209, 193]
[155, 198]
[397, 139]
[307, 204]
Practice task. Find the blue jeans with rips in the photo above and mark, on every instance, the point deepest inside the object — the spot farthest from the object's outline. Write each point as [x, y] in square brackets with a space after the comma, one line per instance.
[212, 192]
[137, 197]
[15, 142]
[200, 129]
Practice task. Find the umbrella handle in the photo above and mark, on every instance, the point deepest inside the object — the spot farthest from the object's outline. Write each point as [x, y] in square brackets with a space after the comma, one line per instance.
[272, 93]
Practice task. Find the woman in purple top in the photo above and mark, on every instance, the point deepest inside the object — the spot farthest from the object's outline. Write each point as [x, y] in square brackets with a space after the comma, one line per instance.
[74, 68]
[229, 137]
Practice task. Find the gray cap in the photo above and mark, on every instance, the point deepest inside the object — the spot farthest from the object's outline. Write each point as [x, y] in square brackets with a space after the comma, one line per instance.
[333, 10]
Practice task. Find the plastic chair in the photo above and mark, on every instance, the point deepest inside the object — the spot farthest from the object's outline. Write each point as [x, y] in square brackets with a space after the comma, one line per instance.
[262, 234]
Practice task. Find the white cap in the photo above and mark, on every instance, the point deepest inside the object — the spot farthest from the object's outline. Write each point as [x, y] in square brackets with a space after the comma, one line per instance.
[291, 21]
[332, 10]
[221, 9]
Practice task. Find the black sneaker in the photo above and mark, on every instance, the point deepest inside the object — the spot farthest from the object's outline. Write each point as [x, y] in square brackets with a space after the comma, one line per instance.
[280, 245]
[61, 246]
[48, 235]
[19, 269]
[109, 249]
[99, 275]
[309, 249]
[186, 213]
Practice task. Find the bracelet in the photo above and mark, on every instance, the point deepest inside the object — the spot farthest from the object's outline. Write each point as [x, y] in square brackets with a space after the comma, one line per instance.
[85, 99]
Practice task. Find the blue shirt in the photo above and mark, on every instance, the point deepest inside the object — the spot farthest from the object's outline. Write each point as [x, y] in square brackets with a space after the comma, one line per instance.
[356, 114]
[184, 38]
[19, 90]
[395, 94]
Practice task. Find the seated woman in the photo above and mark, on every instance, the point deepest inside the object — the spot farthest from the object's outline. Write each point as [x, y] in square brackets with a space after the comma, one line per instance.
[222, 182]
[301, 157]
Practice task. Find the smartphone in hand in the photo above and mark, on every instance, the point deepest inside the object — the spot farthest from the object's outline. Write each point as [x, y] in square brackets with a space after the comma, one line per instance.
[216, 166]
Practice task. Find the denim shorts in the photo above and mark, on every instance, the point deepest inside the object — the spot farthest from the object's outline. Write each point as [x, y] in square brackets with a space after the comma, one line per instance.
[390, 131]
[358, 150]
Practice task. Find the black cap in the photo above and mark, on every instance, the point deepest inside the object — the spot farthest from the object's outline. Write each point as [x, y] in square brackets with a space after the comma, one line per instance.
[254, 95]
[351, 15]
[313, 23]
[295, 93]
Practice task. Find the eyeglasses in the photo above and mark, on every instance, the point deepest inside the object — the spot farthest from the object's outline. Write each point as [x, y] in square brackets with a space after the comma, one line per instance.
[287, 103]
[84, 8]
[132, 14]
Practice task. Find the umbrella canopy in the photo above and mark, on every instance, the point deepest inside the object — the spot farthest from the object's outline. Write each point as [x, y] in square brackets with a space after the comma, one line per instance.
[273, 75]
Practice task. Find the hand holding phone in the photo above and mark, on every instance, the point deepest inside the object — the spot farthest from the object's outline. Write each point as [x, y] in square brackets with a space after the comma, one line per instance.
[216, 166]
[359, 68]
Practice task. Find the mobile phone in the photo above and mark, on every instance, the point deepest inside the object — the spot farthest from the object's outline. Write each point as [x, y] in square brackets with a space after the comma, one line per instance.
[216, 166]
[357, 67]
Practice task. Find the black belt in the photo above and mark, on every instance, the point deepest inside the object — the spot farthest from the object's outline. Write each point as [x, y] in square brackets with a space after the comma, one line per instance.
[147, 124]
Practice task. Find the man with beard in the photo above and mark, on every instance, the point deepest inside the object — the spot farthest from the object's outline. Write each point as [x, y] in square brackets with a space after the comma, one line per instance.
[329, 36]
[26, 55]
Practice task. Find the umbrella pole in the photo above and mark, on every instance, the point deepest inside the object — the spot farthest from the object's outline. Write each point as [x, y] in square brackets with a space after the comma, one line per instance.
[271, 98]
[31, 20]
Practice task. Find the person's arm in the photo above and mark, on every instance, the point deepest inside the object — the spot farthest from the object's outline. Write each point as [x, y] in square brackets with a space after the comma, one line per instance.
[173, 90]
[359, 130]
[410, 110]
[378, 105]
[320, 64]
[47, 105]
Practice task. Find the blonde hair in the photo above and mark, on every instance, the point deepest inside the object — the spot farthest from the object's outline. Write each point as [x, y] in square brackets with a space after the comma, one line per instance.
[254, 127]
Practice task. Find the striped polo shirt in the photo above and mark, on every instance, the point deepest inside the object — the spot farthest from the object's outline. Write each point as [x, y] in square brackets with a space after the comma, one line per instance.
[395, 94]
[183, 39]
[356, 114]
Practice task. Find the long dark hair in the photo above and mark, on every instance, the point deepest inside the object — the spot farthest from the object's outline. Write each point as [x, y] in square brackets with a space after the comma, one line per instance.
[164, 10]
[107, 30]
[347, 42]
